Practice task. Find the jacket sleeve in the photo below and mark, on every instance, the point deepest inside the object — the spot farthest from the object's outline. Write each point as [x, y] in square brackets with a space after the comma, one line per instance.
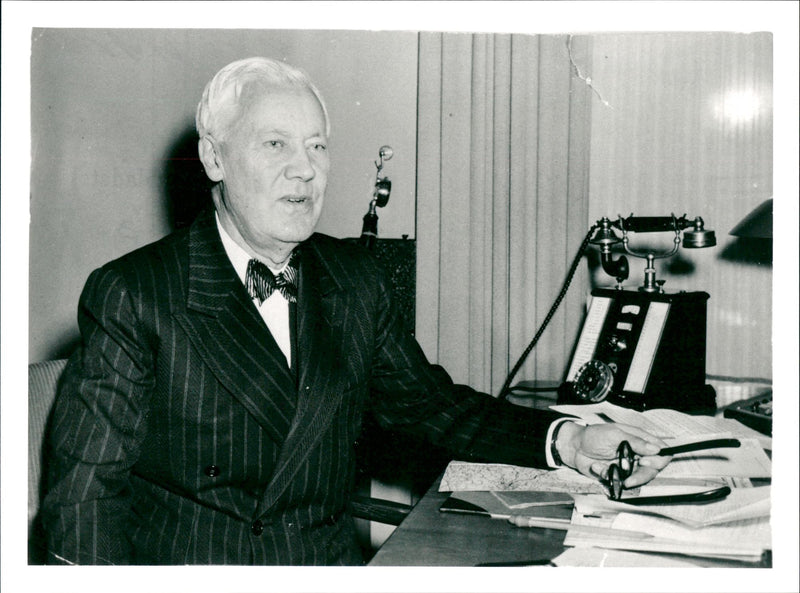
[98, 423]
[413, 396]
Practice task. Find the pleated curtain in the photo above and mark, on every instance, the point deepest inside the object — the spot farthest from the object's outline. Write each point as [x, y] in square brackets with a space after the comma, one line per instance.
[503, 149]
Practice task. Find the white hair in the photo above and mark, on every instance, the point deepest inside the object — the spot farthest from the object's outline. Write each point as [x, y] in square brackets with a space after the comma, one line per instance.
[222, 93]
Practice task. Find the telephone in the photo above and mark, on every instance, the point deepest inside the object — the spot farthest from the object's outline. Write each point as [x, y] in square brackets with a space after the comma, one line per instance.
[645, 348]
[642, 348]
[380, 197]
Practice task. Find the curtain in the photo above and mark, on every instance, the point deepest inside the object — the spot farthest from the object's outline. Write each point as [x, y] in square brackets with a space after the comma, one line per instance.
[503, 154]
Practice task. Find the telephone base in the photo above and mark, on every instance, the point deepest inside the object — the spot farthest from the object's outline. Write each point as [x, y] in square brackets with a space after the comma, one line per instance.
[690, 400]
[755, 412]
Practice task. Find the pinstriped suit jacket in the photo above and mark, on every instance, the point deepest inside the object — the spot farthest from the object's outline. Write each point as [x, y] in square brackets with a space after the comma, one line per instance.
[181, 436]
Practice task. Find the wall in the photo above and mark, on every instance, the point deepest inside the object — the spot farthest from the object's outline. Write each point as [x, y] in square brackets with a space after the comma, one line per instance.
[503, 141]
[682, 123]
[112, 118]
[113, 145]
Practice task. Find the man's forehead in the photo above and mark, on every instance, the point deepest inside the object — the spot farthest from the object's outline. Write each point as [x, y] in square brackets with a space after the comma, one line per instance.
[283, 99]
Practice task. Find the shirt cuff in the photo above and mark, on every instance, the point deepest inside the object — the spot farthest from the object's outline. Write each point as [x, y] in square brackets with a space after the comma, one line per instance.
[551, 432]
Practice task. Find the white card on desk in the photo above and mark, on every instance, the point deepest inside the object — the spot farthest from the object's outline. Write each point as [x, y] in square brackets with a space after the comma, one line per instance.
[746, 461]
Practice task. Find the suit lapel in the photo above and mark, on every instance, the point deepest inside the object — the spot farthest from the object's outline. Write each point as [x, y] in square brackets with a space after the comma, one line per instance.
[232, 339]
[230, 336]
[322, 382]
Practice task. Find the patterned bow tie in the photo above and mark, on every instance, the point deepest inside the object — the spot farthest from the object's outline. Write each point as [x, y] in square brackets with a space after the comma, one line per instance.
[261, 283]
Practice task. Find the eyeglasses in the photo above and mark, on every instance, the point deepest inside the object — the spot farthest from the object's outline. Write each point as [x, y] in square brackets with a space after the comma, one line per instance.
[626, 462]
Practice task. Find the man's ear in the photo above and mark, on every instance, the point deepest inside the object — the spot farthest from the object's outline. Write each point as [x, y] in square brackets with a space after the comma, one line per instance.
[207, 149]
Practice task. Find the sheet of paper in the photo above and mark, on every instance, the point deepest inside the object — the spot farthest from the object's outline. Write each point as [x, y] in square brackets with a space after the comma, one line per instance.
[501, 505]
[664, 423]
[462, 475]
[741, 504]
[600, 558]
[517, 500]
[747, 461]
[607, 533]
[742, 553]
[747, 534]
[661, 486]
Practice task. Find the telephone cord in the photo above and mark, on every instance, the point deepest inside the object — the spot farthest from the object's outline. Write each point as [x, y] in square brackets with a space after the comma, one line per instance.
[570, 274]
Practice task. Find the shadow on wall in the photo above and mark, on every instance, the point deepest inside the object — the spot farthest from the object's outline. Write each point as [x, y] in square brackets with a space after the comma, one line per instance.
[749, 250]
[185, 191]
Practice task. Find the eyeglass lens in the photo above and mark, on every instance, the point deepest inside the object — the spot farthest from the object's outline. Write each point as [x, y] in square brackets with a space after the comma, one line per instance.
[615, 480]
[625, 459]
[620, 471]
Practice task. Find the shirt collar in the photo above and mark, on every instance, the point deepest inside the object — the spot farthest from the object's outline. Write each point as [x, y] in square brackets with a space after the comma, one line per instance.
[238, 256]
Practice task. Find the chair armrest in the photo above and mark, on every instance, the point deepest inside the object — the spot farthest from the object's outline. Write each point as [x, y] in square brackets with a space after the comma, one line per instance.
[378, 510]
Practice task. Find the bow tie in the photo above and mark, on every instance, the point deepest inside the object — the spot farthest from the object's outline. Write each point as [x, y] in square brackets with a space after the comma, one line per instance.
[261, 283]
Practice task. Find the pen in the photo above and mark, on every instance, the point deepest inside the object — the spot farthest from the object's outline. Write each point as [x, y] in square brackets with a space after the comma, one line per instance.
[535, 562]
[567, 525]
[527, 521]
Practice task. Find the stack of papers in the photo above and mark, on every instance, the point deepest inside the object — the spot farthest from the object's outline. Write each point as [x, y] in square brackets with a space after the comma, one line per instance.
[675, 428]
[665, 423]
[735, 528]
[601, 530]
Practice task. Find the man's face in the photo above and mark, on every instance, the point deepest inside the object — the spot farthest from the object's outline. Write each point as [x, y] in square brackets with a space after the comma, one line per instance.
[273, 163]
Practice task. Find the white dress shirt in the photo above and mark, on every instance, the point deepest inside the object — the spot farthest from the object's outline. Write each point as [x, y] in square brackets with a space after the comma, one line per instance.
[275, 310]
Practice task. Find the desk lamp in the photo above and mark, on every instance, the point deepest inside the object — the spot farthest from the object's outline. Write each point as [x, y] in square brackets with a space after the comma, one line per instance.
[757, 224]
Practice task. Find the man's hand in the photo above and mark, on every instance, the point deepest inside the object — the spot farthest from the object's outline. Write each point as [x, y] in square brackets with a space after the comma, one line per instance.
[591, 449]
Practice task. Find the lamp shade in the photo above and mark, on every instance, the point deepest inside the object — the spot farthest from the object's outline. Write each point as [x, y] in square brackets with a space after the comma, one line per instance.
[757, 224]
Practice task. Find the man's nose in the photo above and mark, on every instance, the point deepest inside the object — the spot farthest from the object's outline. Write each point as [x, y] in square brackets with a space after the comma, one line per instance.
[300, 166]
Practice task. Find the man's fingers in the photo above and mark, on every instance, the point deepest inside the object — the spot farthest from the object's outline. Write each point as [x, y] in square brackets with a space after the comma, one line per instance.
[642, 475]
[657, 462]
[599, 470]
[643, 447]
[639, 437]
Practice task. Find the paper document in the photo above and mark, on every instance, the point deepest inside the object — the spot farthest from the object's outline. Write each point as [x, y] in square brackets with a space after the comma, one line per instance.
[753, 533]
[742, 504]
[736, 527]
[664, 423]
[462, 475]
[744, 541]
[502, 505]
[605, 558]
[746, 461]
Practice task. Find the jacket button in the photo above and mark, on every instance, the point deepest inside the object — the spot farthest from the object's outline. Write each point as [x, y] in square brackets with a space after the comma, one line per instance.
[212, 471]
[257, 527]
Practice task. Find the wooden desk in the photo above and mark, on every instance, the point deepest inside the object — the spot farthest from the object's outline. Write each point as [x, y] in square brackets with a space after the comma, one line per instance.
[428, 537]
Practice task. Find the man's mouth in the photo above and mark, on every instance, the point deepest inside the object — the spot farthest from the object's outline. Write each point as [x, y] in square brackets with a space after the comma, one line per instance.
[297, 199]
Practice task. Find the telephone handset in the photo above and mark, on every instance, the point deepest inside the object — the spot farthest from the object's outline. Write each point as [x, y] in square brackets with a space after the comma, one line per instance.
[640, 349]
[380, 197]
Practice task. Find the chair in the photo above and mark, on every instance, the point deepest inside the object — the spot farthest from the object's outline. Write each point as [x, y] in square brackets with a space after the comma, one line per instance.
[43, 380]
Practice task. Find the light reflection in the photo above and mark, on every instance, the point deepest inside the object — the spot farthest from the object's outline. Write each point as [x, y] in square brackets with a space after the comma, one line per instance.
[738, 107]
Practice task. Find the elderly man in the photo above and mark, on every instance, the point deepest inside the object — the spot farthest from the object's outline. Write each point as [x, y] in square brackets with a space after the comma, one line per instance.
[210, 413]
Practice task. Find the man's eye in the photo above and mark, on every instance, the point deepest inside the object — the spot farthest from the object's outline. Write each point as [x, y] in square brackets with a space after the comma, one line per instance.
[274, 144]
[320, 147]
